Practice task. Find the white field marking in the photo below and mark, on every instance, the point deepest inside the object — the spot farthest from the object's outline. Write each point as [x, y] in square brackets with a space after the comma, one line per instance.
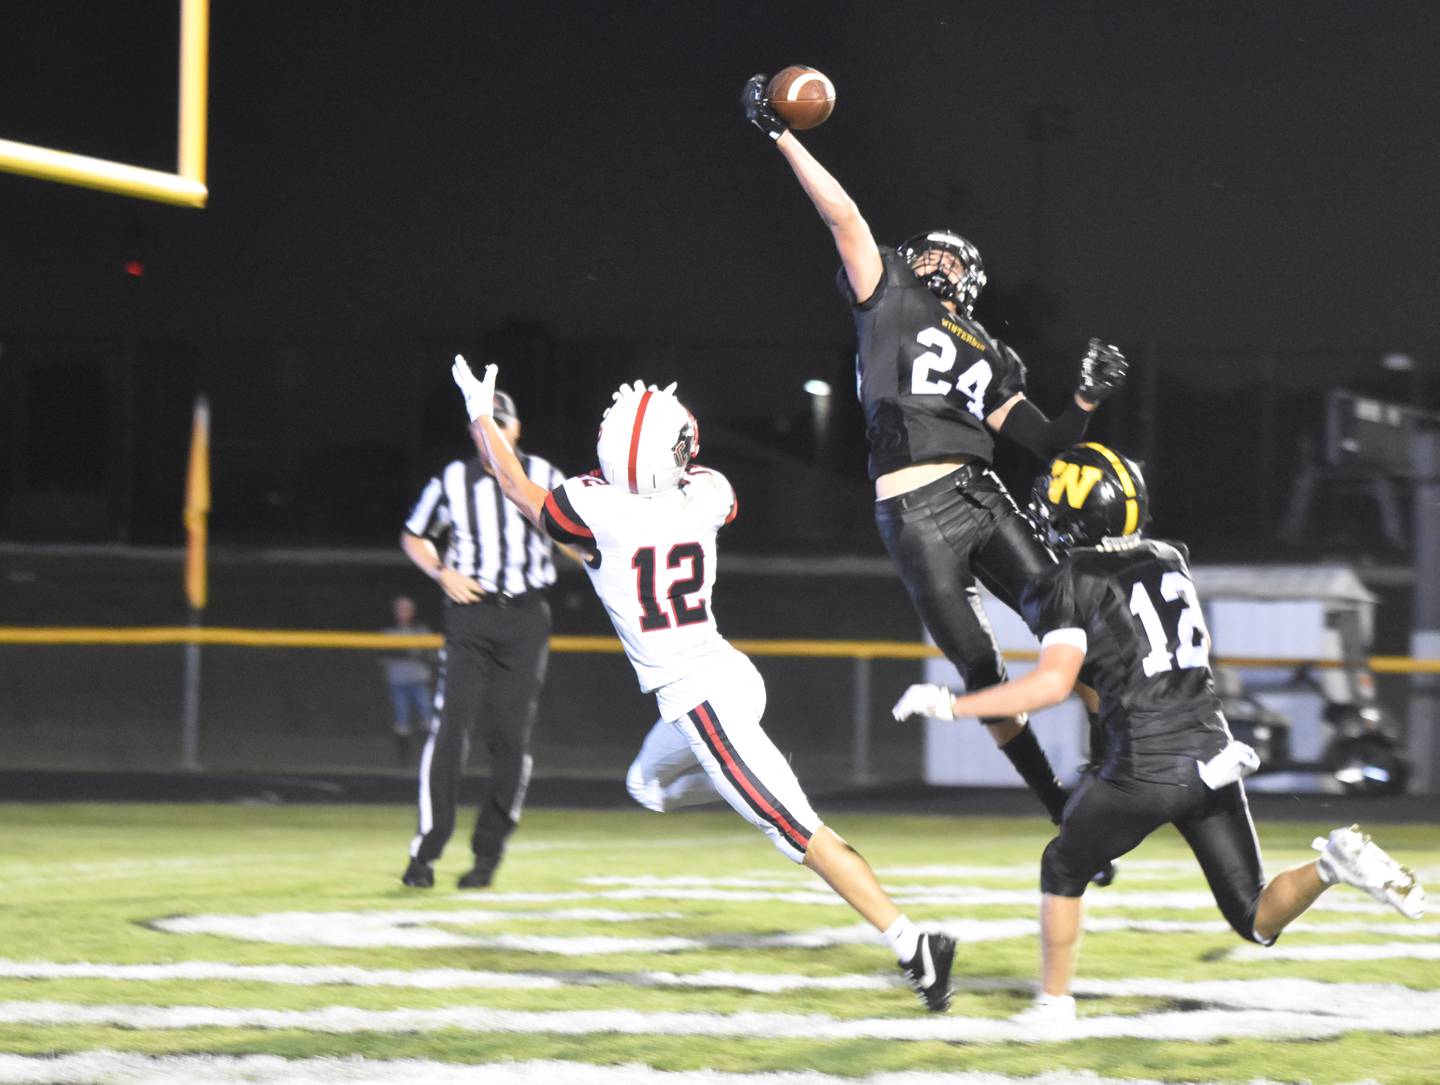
[1273, 1009]
[415, 929]
[433, 978]
[117, 1068]
[1353, 951]
[928, 894]
[630, 844]
[977, 931]
[685, 881]
[281, 974]
[1233, 991]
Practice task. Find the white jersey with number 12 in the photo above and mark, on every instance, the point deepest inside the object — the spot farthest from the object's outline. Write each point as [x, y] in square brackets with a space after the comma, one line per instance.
[654, 568]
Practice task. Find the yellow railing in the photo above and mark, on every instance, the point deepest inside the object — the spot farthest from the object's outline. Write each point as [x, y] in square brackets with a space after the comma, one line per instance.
[814, 649]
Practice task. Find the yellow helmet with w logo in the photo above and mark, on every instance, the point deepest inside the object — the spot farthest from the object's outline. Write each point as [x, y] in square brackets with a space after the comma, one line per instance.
[1089, 493]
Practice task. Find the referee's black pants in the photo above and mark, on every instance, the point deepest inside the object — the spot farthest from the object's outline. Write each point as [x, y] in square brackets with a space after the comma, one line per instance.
[491, 669]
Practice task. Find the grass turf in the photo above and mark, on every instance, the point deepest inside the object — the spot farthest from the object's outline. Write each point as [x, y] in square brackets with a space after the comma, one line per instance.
[88, 882]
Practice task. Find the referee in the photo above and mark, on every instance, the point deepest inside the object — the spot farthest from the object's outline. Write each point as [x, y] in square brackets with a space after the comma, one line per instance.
[494, 573]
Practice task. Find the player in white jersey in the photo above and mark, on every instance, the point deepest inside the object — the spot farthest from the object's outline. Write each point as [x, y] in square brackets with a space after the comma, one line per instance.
[647, 522]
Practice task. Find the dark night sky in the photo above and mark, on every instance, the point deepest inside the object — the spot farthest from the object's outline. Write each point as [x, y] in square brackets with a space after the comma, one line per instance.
[1232, 174]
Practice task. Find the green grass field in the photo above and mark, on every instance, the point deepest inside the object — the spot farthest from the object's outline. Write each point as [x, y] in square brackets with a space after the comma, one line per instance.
[198, 935]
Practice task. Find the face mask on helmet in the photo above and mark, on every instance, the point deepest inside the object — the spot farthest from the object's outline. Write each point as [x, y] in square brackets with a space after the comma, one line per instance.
[647, 439]
[962, 287]
[1090, 493]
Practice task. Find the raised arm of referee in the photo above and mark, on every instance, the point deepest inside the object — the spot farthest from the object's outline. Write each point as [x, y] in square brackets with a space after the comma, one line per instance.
[494, 569]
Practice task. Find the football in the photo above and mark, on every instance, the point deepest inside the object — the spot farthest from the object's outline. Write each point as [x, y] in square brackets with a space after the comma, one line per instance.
[801, 96]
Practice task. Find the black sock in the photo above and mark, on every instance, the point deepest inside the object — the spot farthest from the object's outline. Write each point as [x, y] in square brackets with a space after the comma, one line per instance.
[1034, 768]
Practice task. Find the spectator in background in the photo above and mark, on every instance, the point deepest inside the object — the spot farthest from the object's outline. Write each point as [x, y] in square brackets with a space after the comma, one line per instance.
[408, 674]
[494, 573]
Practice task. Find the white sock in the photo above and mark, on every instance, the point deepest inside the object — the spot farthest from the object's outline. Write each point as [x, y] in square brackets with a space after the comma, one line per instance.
[903, 937]
[1044, 999]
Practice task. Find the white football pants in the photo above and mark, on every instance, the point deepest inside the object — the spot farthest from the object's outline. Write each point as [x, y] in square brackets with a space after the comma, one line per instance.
[718, 750]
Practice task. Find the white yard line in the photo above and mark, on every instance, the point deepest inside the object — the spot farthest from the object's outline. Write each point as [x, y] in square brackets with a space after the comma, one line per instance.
[1272, 1009]
[428, 929]
[118, 1068]
[432, 978]
[1355, 951]
[1184, 900]
[435, 928]
[723, 979]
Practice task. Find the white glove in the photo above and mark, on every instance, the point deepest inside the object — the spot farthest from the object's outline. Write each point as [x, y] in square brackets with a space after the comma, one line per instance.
[936, 702]
[1235, 762]
[479, 394]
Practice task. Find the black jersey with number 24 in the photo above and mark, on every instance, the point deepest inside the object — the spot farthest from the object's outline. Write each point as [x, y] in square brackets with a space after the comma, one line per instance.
[926, 377]
[1147, 655]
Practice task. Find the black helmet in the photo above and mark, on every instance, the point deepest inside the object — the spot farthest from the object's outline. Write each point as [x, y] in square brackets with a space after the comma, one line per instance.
[942, 286]
[1089, 493]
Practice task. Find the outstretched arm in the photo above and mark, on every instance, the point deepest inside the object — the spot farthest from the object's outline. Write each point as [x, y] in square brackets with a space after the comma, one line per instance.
[1048, 684]
[523, 492]
[1102, 374]
[853, 240]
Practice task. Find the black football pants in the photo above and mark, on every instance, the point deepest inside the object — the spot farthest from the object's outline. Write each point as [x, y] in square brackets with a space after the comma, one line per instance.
[945, 535]
[491, 669]
[1104, 819]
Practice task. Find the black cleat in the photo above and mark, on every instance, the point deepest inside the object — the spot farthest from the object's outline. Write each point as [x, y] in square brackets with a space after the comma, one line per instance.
[928, 972]
[1105, 875]
[419, 875]
[477, 877]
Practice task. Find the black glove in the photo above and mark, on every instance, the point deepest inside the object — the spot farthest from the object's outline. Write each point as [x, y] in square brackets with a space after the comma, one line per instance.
[757, 110]
[1102, 373]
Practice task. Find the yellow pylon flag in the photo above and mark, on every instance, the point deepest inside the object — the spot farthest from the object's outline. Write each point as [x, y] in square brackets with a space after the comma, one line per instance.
[197, 504]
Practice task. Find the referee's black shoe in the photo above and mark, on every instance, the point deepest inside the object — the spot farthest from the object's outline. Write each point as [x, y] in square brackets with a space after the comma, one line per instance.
[419, 875]
[477, 877]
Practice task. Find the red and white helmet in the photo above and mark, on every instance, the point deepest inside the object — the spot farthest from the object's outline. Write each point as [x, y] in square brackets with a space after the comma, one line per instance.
[647, 439]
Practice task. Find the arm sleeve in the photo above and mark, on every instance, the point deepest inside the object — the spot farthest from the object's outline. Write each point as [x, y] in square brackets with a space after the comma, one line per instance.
[1029, 428]
[1010, 377]
[563, 522]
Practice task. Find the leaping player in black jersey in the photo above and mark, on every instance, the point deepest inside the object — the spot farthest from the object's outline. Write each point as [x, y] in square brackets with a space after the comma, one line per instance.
[935, 386]
[1120, 615]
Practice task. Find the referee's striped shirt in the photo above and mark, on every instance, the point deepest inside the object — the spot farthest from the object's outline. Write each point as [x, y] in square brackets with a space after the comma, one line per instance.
[489, 539]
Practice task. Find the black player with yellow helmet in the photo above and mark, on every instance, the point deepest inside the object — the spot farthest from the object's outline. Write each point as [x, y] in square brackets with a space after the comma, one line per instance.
[1090, 492]
[1119, 616]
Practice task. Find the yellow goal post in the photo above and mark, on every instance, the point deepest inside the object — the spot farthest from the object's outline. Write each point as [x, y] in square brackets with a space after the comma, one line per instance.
[186, 186]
